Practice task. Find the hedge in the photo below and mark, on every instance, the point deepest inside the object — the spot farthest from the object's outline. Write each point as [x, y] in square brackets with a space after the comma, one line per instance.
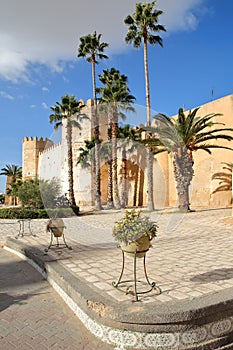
[26, 213]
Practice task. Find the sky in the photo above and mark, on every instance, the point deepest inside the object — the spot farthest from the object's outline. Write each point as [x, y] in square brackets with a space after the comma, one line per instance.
[38, 59]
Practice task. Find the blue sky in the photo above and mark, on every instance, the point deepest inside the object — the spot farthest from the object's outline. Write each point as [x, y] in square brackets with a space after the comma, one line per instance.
[38, 63]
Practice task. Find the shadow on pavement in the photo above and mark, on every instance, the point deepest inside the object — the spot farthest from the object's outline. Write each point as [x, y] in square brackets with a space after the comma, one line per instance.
[7, 300]
[214, 275]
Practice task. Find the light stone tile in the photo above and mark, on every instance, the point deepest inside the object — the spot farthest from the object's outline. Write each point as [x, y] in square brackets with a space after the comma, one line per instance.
[195, 294]
[213, 287]
[103, 275]
[119, 296]
[177, 295]
[76, 269]
[103, 285]
[92, 279]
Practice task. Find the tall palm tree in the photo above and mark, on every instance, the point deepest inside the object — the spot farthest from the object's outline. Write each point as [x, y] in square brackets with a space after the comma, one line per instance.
[91, 48]
[68, 110]
[13, 173]
[116, 96]
[142, 24]
[184, 135]
[129, 139]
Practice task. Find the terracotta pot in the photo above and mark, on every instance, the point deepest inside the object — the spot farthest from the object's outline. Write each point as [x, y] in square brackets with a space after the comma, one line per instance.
[140, 246]
[56, 226]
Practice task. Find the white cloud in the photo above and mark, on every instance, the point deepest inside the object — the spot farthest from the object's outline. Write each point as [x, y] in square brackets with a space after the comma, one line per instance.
[6, 95]
[44, 105]
[48, 32]
[44, 88]
[181, 14]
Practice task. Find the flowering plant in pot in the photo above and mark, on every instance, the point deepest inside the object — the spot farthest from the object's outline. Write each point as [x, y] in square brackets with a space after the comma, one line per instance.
[134, 232]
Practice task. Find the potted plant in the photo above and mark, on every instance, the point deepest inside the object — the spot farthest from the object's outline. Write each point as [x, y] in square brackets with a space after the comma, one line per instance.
[56, 227]
[134, 232]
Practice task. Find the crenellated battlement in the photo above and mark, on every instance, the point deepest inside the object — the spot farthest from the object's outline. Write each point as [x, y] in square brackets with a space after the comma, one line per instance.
[50, 149]
[35, 139]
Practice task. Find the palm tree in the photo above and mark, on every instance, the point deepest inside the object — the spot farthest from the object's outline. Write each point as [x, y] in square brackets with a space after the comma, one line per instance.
[184, 135]
[116, 96]
[13, 173]
[142, 24]
[66, 111]
[86, 154]
[128, 138]
[91, 48]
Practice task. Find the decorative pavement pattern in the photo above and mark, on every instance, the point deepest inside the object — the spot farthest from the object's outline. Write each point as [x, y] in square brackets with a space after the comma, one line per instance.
[191, 257]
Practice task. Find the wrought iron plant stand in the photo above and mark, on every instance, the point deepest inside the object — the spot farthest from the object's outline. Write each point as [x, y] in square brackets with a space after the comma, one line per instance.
[56, 228]
[22, 229]
[132, 287]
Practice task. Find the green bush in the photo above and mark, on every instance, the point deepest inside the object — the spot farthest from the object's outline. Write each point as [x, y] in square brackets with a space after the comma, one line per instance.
[24, 213]
[63, 212]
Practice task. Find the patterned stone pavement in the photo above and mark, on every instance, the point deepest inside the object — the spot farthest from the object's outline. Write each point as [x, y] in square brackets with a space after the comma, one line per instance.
[191, 257]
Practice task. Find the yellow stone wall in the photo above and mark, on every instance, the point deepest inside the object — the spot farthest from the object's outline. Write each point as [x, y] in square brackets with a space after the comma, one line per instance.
[31, 148]
[205, 165]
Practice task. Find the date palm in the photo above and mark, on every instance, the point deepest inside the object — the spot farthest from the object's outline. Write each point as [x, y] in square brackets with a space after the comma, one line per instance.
[184, 135]
[92, 49]
[142, 24]
[13, 173]
[129, 140]
[116, 97]
[68, 110]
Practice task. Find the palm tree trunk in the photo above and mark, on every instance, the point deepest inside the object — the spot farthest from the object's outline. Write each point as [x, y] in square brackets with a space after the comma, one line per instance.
[147, 83]
[97, 143]
[110, 189]
[124, 173]
[149, 159]
[114, 160]
[70, 164]
[183, 170]
[150, 202]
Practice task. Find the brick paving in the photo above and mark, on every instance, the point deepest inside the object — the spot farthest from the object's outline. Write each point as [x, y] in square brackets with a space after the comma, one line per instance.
[191, 257]
[33, 316]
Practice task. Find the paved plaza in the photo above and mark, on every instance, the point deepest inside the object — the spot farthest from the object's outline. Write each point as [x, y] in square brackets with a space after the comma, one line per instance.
[191, 257]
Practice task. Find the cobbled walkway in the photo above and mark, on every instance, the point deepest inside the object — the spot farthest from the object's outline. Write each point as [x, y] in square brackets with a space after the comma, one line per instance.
[33, 316]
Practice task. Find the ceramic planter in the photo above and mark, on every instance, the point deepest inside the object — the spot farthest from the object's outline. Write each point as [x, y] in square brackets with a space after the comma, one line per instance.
[56, 226]
[140, 246]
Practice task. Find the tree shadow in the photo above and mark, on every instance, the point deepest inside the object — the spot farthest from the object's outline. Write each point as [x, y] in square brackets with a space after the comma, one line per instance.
[225, 178]
[7, 300]
[214, 275]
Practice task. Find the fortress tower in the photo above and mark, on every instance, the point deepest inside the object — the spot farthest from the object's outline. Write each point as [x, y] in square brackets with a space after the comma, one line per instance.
[30, 155]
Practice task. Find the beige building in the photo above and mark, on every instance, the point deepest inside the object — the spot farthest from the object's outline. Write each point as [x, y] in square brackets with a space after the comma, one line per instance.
[44, 159]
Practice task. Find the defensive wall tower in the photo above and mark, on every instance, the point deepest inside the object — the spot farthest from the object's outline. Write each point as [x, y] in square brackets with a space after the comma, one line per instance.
[31, 148]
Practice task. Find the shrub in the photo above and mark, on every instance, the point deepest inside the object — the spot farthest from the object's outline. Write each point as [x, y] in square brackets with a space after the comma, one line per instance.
[27, 213]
